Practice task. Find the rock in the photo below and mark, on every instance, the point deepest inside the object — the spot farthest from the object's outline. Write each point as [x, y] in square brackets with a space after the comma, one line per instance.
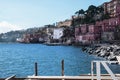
[113, 58]
[107, 51]
[107, 54]
[83, 48]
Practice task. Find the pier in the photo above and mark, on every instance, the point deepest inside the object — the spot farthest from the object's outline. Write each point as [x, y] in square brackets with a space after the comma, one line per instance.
[81, 77]
[92, 76]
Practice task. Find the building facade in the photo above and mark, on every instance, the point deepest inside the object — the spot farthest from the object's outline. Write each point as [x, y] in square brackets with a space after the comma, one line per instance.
[87, 33]
[111, 7]
[57, 33]
[102, 30]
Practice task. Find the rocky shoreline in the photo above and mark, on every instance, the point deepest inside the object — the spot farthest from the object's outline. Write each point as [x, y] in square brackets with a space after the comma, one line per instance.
[109, 52]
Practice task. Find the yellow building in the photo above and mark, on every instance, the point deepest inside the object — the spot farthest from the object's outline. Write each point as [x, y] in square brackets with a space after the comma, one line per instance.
[66, 23]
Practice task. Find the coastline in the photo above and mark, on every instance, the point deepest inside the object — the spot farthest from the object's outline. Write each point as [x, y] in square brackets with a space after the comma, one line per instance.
[107, 51]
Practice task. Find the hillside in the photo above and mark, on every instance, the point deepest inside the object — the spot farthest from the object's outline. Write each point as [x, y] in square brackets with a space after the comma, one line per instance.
[13, 35]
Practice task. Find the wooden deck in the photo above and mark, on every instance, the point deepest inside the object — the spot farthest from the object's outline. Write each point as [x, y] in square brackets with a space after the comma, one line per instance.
[92, 76]
[81, 77]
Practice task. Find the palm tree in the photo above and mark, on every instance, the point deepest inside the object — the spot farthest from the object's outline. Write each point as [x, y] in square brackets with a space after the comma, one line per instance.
[91, 12]
[100, 10]
[80, 17]
[91, 15]
[80, 12]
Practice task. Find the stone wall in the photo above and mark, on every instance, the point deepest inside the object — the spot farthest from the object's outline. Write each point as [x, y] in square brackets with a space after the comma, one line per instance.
[108, 52]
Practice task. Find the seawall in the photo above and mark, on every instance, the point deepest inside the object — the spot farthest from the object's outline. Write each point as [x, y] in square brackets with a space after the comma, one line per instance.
[109, 52]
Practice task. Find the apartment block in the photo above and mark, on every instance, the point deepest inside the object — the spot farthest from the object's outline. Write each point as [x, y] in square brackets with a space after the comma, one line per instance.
[112, 7]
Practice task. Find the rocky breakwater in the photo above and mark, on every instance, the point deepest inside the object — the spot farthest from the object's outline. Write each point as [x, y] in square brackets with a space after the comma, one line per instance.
[108, 52]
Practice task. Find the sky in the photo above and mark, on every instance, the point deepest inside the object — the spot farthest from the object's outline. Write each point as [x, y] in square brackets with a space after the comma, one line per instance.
[23, 14]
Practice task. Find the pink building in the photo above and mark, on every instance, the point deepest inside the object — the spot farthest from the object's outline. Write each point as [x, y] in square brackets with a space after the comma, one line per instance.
[105, 25]
[93, 29]
[77, 31]
[84, 29]
[98, 23]
[118, 10]
[111, 7]
[87, 33]
[110, 24]
[102, 29]
[78, 37]
[92, 37]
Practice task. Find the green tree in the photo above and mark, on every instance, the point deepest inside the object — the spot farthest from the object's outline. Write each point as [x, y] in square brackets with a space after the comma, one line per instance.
[90, 13]
[94, 13]
[80, 12]
[80, 16]
[92, 10]
[106, 16]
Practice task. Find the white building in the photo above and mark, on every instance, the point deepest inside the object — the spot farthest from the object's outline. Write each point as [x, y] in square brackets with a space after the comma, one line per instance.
[57, 33]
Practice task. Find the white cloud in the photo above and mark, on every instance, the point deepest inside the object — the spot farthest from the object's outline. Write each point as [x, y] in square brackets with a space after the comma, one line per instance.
[6, 26]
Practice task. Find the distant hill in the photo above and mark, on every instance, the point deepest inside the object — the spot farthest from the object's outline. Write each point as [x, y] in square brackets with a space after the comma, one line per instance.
[13, 35]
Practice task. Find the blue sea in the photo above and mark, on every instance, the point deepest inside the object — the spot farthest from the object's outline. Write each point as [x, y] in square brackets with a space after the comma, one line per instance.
[18, 59]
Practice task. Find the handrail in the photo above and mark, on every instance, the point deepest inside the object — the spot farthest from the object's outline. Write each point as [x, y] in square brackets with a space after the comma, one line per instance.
[11, 77]
[113, 77]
